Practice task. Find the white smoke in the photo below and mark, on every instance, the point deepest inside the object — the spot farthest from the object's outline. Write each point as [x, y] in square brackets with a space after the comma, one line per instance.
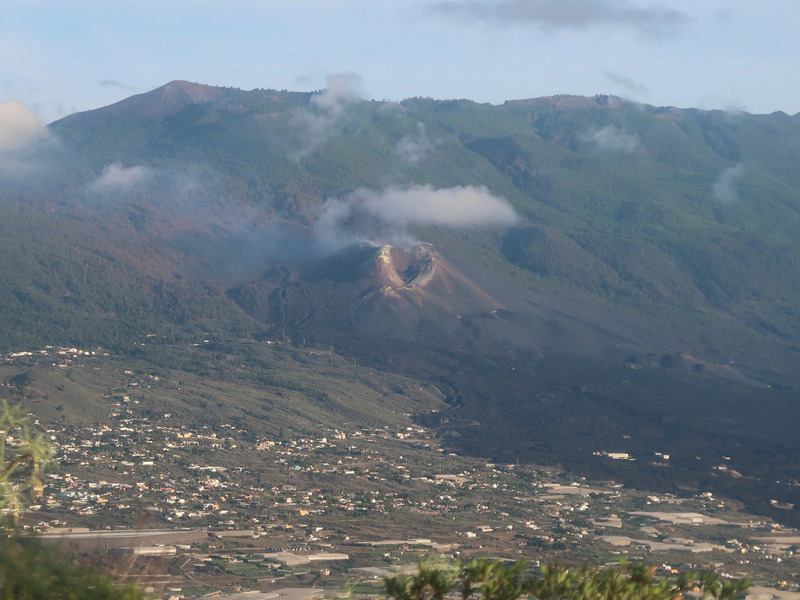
[612, 139]
[316, 127]
[725, 185]
[19, 127]
[117, 177]
[415, 146]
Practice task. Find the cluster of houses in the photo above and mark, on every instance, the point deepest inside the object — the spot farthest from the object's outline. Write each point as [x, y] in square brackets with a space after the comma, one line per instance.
[323, 487]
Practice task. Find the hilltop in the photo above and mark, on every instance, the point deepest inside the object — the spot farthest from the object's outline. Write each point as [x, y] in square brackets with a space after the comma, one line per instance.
[164, 101]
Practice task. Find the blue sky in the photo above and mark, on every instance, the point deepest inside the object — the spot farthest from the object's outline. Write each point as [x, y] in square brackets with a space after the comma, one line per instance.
[63, 56]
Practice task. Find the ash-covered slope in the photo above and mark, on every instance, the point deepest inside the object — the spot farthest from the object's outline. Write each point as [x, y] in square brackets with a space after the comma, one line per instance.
[409, 294]
[415, 295]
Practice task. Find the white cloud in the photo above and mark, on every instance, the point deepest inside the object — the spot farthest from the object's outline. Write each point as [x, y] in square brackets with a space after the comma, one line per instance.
[316, 127]
[725, 185]
[611, 139]
[342, 89]
[568, 14]
[415, 146]
[627, 83]
[115, 176]
[383, 216]
[462, 206]
[19, 126]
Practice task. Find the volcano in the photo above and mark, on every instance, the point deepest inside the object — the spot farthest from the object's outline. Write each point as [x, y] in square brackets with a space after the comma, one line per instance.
[416, 278]
[409, 294]
[416, 295]
[628, 302]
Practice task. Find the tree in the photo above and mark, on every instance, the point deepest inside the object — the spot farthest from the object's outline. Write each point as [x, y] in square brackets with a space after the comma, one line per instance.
[493, 580]
[474, 574]
[29, 570]
[432, 581]
[23, 457]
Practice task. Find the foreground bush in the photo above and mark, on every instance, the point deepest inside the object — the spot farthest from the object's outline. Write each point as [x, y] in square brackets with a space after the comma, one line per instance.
[32, 571]
[28, 569]
[493, 580]
[23, 456]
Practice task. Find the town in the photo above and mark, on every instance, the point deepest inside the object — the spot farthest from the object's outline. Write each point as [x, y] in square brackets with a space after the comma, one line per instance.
[204, 508]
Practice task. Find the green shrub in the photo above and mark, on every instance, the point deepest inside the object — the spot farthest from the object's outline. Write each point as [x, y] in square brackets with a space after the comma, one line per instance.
[493, 580]
[30, 570]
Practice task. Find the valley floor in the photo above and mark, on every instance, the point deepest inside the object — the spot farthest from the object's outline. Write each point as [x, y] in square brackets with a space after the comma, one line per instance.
[189, 508]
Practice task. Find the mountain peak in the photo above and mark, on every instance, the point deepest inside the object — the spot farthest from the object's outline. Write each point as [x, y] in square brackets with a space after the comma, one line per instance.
[165, 100]
[195, 92]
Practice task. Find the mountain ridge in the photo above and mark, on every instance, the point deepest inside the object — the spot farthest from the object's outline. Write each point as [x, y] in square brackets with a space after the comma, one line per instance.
[199, 93]
[564, 261]
[606, 199]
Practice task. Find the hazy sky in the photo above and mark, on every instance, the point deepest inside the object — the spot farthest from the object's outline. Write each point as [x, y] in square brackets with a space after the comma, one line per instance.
[62, 56]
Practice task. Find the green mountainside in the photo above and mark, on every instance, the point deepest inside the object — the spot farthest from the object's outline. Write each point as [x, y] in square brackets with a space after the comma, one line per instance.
[683, 221]
[642, 283]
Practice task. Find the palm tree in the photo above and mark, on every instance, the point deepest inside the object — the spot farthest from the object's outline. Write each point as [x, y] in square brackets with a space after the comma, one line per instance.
[474, 574]
[506, 583]
[431, 582]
